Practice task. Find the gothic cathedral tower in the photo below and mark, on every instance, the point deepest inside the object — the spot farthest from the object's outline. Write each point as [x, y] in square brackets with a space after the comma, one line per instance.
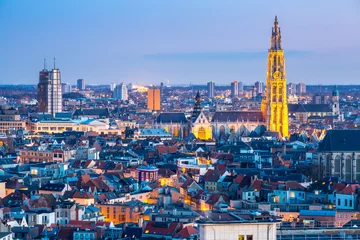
[274, 106]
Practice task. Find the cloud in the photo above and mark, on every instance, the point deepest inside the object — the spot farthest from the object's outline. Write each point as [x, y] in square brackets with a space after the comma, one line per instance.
[220, 56]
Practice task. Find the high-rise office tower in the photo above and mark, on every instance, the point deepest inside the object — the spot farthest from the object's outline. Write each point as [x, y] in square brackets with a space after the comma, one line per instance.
[54, 91]
[259, 87]
[319, 99]
[112, 86]
[81, 84]
[121, 92]
[301, 88]
[43, 89]
[274, 105]
[65, 88]
[291, 88]
[153, 99]
[234, 89]
[241, 86]
[211, 89]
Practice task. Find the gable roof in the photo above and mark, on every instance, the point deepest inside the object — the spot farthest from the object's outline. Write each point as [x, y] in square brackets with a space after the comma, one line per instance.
[186, 232]
[161, 228]
[341, 141]
[309, 108]
[238, 116]
[101, 112]
[174, 117]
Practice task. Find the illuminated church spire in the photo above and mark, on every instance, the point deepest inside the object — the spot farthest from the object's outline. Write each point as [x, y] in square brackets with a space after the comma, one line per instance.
[276, 36]
[274, 105]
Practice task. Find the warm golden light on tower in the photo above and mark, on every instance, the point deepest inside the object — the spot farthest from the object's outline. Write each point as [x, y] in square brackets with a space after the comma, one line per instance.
[274, 105]
[153, 99]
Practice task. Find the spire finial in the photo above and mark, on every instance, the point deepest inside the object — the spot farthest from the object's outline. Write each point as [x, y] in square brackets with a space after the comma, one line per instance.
[44, 63]
[276, 20]
[54, 63]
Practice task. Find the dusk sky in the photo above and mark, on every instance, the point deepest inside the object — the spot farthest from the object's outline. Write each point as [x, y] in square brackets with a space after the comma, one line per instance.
[183, 41]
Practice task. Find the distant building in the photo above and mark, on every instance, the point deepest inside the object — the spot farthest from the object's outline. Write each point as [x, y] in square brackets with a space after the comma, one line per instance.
[211, 89]
[234, 89]
[232, 225]
[42, 89]
[54, 93]
[241, 86]
[65, 88]
[121, 92]
[10, 119]
[50, 91]
[200, 124]
[319, 99]
[153, 99]
[81, 84]
[112, 86]
[274, 106]
[339, 155]
[301, 88]
[161, 88]
[291, 88]
[174, 123]
[259, 87]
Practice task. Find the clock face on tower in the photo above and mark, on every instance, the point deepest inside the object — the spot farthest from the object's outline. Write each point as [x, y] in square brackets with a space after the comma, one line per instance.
[277, 75]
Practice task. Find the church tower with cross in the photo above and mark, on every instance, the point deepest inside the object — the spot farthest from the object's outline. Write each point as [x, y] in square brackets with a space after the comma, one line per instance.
[274, 106]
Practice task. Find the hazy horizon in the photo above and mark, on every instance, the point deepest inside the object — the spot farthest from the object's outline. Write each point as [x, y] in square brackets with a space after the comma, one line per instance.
[148, 42]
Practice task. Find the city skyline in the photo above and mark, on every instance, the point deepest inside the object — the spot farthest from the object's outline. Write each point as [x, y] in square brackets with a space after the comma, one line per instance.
[131, 42]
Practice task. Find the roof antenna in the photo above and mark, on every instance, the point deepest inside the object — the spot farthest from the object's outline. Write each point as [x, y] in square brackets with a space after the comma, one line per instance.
[54, 63]
[44, 63]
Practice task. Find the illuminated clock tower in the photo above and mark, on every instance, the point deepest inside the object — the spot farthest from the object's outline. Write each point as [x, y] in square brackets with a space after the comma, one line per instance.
[274, 106]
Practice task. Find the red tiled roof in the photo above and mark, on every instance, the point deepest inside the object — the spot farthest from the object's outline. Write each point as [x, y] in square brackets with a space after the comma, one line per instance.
[187, 183]
[239, 179]
[257, 185]
[216, 197]
[213, 175]
[167, 229]
[339, 187]
[83, 195]
[293, 185]
[186, 232]
[349, 189]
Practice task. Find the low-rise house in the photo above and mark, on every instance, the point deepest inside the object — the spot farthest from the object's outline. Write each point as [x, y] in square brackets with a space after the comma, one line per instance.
[164, 230]
[54, 188]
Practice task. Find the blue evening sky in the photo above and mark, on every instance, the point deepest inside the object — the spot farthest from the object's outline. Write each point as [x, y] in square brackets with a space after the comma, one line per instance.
[183, 41]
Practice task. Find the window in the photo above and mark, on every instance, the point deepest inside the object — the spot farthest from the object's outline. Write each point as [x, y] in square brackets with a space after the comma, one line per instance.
[241, 237]
[350, 203]
[249, 237]
[345, 202]
[339, 202]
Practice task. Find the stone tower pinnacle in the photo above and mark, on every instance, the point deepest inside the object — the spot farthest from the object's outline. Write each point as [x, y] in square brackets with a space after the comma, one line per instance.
[274, 105]
[276, 36]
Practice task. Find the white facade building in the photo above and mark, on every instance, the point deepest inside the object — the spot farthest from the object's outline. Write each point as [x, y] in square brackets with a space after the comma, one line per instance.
[121, 92]
[54, 92]
[237, 230]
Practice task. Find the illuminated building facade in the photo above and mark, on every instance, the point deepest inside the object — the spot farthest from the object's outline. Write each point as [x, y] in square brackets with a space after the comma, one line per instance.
[153, 99]
[274, 105]
[200, 124]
